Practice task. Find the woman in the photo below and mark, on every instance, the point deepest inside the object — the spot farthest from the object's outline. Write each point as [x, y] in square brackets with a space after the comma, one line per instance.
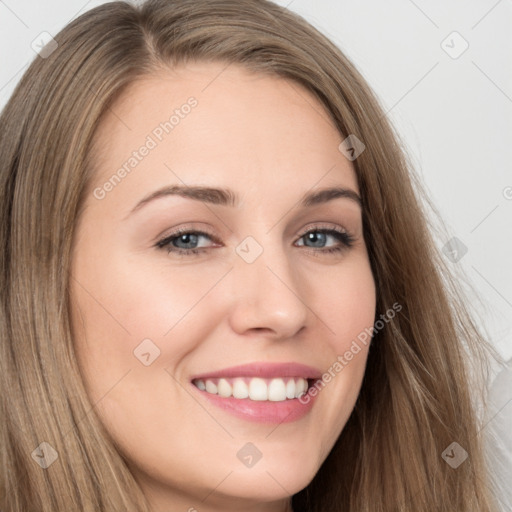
[220, 292]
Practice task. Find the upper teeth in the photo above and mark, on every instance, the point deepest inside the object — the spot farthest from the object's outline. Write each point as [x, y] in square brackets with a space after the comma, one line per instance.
[275, 390]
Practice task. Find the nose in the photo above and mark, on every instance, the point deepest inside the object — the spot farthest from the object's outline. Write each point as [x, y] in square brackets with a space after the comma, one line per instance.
[267, 296]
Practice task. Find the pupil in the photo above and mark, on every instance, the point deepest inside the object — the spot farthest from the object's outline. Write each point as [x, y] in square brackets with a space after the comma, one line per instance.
[188, 238]
[318, 239]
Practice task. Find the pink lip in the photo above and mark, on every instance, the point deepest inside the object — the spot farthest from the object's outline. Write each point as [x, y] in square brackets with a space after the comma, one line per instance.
[264, 370]
[263, 411]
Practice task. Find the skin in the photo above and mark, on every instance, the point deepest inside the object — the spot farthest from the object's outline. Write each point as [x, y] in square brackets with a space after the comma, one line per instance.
[270, 141]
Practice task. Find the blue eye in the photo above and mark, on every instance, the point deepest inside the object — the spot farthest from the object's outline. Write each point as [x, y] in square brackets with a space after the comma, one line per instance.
[185, 242]
[318, 238]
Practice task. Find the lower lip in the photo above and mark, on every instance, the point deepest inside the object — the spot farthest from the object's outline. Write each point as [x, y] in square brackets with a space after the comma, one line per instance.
[261, 411]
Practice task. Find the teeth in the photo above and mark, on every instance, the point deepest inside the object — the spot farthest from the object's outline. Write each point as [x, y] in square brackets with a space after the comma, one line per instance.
[302, 387]
[290, 389]
[258, 389]
[240, 389]
[224, 388]
[211, 387]
[277, 390]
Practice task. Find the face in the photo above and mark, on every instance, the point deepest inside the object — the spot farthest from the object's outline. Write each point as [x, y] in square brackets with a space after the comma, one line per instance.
[216, 274]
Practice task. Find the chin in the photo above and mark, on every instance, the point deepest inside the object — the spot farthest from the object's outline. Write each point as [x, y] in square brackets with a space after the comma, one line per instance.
[273, 481]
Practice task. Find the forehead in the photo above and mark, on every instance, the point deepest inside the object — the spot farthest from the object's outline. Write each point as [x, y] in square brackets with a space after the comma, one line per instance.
[218, 125]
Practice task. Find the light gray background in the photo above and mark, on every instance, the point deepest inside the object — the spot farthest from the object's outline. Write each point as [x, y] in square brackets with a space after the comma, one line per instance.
[454, 114]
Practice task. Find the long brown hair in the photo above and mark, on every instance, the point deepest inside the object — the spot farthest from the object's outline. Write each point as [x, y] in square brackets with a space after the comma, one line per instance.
[415, 400]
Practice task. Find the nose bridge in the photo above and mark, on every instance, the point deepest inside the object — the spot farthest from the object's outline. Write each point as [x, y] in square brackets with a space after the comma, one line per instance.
[267, 293]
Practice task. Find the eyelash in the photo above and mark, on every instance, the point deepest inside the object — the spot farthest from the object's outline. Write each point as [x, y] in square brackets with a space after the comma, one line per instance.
[346, 239]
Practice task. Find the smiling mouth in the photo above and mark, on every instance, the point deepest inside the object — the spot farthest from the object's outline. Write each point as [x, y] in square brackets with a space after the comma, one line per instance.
[259, 389]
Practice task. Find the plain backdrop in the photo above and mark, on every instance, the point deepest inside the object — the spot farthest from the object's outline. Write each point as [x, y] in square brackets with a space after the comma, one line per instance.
[443, 72]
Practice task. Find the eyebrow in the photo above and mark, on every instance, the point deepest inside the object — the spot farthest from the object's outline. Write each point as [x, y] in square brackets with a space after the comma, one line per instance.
[226, 197]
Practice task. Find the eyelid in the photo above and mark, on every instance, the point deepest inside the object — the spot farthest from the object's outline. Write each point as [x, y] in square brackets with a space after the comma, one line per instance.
[185, 230]
[322, 226]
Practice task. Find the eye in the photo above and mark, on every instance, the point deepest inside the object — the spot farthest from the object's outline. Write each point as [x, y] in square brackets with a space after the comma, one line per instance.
[319, 238]
[185, 242]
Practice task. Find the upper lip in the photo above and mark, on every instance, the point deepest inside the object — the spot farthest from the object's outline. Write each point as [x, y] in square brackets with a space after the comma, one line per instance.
[264, 370]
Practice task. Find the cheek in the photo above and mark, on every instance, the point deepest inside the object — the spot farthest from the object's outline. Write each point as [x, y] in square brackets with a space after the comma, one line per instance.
[346, 301]
[119, 302]
[153, 295]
